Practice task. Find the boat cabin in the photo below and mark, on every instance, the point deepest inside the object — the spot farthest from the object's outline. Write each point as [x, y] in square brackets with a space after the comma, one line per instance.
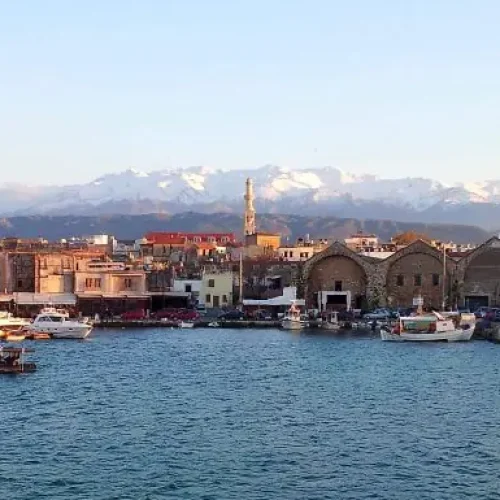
[13, 360]
[425, 324]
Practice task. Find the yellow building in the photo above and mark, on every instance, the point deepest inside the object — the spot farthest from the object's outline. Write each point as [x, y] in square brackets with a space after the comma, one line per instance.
[264, 240]
[217, 290]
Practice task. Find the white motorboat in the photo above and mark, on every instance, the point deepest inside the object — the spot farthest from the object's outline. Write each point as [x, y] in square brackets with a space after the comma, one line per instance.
[186, 324]
[60, 326]
[331, 323]
[214, 324]
[430, 327]
[293, 319]
[8, 322]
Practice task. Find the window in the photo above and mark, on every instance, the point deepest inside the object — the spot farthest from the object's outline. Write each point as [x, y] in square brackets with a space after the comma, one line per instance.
[128, 282]
[19, 283]
[211, 283]
[338, 286]
[92, 282]
[435, 279]
[208, 298]
[400, 281]
[417, 280]
[188, 288]
[224, 299]
[291, 253]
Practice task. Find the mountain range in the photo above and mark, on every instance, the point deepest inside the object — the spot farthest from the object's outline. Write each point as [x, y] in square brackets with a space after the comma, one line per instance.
[290, 226]
[312, 192]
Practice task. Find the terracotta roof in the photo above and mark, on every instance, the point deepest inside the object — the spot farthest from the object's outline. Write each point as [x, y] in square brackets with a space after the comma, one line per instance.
[165, 239]
[205, 246]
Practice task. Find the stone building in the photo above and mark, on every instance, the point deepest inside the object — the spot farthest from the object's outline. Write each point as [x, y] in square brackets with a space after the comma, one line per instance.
[477, 277]
[417, 269]
[414, 270]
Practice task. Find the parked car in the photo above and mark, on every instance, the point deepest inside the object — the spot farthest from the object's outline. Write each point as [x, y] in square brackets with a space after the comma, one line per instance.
[232, 315]
[136, 315]
[481, 312]
[380, 313]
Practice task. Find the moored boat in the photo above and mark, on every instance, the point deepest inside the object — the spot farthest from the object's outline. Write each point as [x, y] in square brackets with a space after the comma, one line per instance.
[293, 319]
[12, 360]
[15, 336]
[59, 326]
[186, 324]
[429, 327]
[331, 323]
[10, 322]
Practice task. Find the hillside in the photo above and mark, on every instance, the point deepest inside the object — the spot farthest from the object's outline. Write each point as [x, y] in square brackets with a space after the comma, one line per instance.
[291, 226]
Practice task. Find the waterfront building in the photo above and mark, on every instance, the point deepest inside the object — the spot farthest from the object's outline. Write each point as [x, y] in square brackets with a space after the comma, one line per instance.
[110, 286]
[217, 289]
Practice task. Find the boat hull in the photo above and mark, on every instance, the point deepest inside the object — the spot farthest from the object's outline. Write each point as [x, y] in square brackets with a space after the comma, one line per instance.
[459, 335]
[288, 324]
[74, 332]
[331, 327]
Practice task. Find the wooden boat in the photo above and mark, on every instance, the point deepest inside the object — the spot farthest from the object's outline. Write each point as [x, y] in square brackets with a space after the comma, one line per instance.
[38, 336]
[12, 360]
[15, 336]
[428, 328]
[331, 323]
[293, 319]
[3, 334]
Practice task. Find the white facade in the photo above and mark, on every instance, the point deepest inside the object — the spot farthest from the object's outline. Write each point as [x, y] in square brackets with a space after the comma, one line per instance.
[189, 286]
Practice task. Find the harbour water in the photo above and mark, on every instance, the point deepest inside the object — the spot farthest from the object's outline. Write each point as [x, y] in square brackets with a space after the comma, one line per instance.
[251, 414]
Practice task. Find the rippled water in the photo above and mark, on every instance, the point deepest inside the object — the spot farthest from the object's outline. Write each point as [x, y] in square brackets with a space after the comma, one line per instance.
[208, 414]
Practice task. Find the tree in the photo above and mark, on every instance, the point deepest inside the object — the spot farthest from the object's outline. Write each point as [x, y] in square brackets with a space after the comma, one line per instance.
[409, 237]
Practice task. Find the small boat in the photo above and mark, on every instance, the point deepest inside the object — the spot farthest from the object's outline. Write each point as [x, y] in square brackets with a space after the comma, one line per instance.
[331, 323]
[15, 336]
[293, 319]
[38, 336]
[214, 324]
[59, 326]
[9, 322]
[430, 327]
[12, 360]
[186, 324]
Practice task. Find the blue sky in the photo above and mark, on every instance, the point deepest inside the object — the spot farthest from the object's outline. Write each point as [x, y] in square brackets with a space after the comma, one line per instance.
[396, 88]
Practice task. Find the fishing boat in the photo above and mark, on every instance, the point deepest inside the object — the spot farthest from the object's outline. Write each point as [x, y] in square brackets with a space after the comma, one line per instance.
[331, 323]
[60, 326]
[293, 319]
[186, 324]
[429, 327]
[12, 360]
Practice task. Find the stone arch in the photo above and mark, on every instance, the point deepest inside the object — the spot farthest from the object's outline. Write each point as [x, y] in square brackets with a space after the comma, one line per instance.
[479, 275]
[337, 265]
[417, 270]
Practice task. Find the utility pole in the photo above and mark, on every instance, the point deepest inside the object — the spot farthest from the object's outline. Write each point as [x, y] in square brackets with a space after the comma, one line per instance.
[444, 278]
[240, 294]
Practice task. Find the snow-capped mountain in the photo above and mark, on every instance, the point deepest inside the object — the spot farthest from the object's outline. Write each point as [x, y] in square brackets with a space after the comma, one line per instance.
[313, 191]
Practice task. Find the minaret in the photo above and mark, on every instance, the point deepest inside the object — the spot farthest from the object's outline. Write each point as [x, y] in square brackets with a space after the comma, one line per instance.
[249, 227]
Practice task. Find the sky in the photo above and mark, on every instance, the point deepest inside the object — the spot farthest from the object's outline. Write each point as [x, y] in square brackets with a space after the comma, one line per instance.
[393, 87]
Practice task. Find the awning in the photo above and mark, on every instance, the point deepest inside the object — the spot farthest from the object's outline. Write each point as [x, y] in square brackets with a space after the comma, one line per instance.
[6, 298]
[276, 301]
[58, 299]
